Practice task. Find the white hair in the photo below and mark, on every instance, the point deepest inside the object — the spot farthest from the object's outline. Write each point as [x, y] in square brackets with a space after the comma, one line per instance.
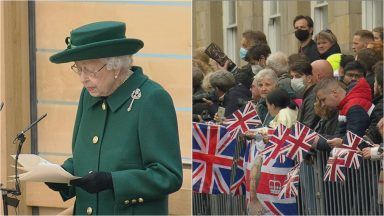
[268, 74]
[278, 62]
[118, 62]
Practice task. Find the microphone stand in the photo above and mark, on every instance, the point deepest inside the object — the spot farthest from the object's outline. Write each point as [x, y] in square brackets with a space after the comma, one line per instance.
[7, 193]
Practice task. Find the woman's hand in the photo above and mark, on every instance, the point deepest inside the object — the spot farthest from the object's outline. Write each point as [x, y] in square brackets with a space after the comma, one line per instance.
[366, 153]
[250, 134]
[208, 102]
[94, 182]
[335, 142]
[56, 186]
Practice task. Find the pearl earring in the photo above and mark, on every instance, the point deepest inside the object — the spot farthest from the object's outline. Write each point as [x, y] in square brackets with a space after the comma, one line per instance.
[115, 76]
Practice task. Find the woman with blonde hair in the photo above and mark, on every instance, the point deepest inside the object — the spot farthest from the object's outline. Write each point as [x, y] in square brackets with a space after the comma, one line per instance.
[202, 61]
[326, 44]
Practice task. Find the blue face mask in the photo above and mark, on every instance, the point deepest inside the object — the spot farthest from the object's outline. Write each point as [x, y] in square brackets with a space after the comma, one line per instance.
[243, 52]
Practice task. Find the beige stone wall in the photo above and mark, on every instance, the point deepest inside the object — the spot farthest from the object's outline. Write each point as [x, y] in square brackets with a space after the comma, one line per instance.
[344, 19]
[14, 85]
[207, 23]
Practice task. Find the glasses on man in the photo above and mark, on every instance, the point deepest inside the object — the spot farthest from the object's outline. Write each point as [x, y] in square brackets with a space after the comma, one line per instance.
[87, 72]
[354, 75]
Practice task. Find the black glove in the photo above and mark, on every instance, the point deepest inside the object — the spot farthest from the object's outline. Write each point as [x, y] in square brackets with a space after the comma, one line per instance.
[56, 186]
[94, 182]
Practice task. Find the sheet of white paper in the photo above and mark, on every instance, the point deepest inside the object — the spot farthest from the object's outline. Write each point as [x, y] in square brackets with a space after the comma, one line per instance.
[41, 170]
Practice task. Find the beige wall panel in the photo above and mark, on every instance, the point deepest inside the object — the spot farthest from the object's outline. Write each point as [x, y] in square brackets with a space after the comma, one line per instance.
[173, 74]
[185, 133]
[355, 7]
[340, 7]
[38, 194]
[55, 131]
[56, 81]
[341, 33]
[143, 21]
[50, 211]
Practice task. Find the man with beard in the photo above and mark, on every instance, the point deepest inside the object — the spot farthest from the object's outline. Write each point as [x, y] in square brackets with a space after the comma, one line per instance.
[303, 31]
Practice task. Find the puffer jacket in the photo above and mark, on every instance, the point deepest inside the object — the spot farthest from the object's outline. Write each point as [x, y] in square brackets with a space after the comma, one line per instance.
[354, 112]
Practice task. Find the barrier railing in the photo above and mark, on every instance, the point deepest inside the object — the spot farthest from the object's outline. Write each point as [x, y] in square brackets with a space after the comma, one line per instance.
[357, 195]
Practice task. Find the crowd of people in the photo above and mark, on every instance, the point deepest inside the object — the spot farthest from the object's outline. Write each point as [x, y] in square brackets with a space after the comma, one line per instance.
[320, 86]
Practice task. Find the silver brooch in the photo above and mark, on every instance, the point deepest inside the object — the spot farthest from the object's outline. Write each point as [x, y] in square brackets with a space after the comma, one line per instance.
[136, 94]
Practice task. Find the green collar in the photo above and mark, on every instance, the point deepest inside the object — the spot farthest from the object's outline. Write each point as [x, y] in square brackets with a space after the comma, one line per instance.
[123, 93]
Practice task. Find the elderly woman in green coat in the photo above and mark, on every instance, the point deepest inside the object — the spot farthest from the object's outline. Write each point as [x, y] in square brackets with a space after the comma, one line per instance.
[125, 141]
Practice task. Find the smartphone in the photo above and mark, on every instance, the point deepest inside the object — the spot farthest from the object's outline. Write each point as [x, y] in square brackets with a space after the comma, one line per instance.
[221, 112]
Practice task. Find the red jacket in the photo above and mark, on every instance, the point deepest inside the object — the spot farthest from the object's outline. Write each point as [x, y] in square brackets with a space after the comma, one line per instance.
[360, 95]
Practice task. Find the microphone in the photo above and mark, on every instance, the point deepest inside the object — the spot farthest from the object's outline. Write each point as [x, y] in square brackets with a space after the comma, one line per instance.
[19, 135]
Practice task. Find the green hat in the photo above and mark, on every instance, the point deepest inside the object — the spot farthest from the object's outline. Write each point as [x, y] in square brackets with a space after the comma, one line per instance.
[97, 40]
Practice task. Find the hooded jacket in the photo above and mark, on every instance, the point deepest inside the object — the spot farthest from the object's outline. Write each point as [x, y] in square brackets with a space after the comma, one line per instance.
[354, 112]
[359, 95]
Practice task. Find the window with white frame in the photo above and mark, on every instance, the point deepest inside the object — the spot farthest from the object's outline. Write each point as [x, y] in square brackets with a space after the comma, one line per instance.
[371, 14]
[230, 30]
[319, 14]
[272, 24]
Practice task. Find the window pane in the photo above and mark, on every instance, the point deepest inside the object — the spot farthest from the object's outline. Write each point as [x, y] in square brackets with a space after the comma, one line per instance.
[274, 8]
[378, 14]
[231, 12]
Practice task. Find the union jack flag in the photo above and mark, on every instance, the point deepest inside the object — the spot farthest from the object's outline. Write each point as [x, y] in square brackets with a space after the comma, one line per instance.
[352, 159]
[298, 142]
[249, 161]
[277, 141]
[243, 120]
[291, 183]
[335, 163]
[213, 151]
[271, 181]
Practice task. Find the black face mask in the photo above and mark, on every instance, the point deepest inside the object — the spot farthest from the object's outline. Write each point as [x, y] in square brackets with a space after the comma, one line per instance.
[301, 34]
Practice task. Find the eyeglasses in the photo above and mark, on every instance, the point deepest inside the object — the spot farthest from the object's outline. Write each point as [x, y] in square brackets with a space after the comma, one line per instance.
[354, 75]
[87, 72]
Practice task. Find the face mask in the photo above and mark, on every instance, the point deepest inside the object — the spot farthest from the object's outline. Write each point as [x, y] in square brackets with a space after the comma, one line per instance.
[301, 34]
[256, 68]
[297, 84]
[243, 53]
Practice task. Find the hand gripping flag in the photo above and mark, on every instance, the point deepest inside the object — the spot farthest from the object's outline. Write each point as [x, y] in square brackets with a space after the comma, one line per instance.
[352, 158]
[335, 165]
[243, 120]
[291, 183]
[277, 140]
[270, 185]
[213, 151]
[299, 141]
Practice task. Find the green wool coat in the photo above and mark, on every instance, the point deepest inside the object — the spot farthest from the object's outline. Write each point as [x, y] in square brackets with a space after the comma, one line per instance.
[139, 147]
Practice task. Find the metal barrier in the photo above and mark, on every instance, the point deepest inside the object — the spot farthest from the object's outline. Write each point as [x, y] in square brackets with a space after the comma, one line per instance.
[357, 195]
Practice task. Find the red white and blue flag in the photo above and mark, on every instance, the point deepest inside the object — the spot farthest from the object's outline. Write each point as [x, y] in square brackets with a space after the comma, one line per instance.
[335, 165]
[213, 152]
[299, 142]
[352, 158]
[277, 140]
[291, 183]
[271, 182]
[249, 161]
[243, 120]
